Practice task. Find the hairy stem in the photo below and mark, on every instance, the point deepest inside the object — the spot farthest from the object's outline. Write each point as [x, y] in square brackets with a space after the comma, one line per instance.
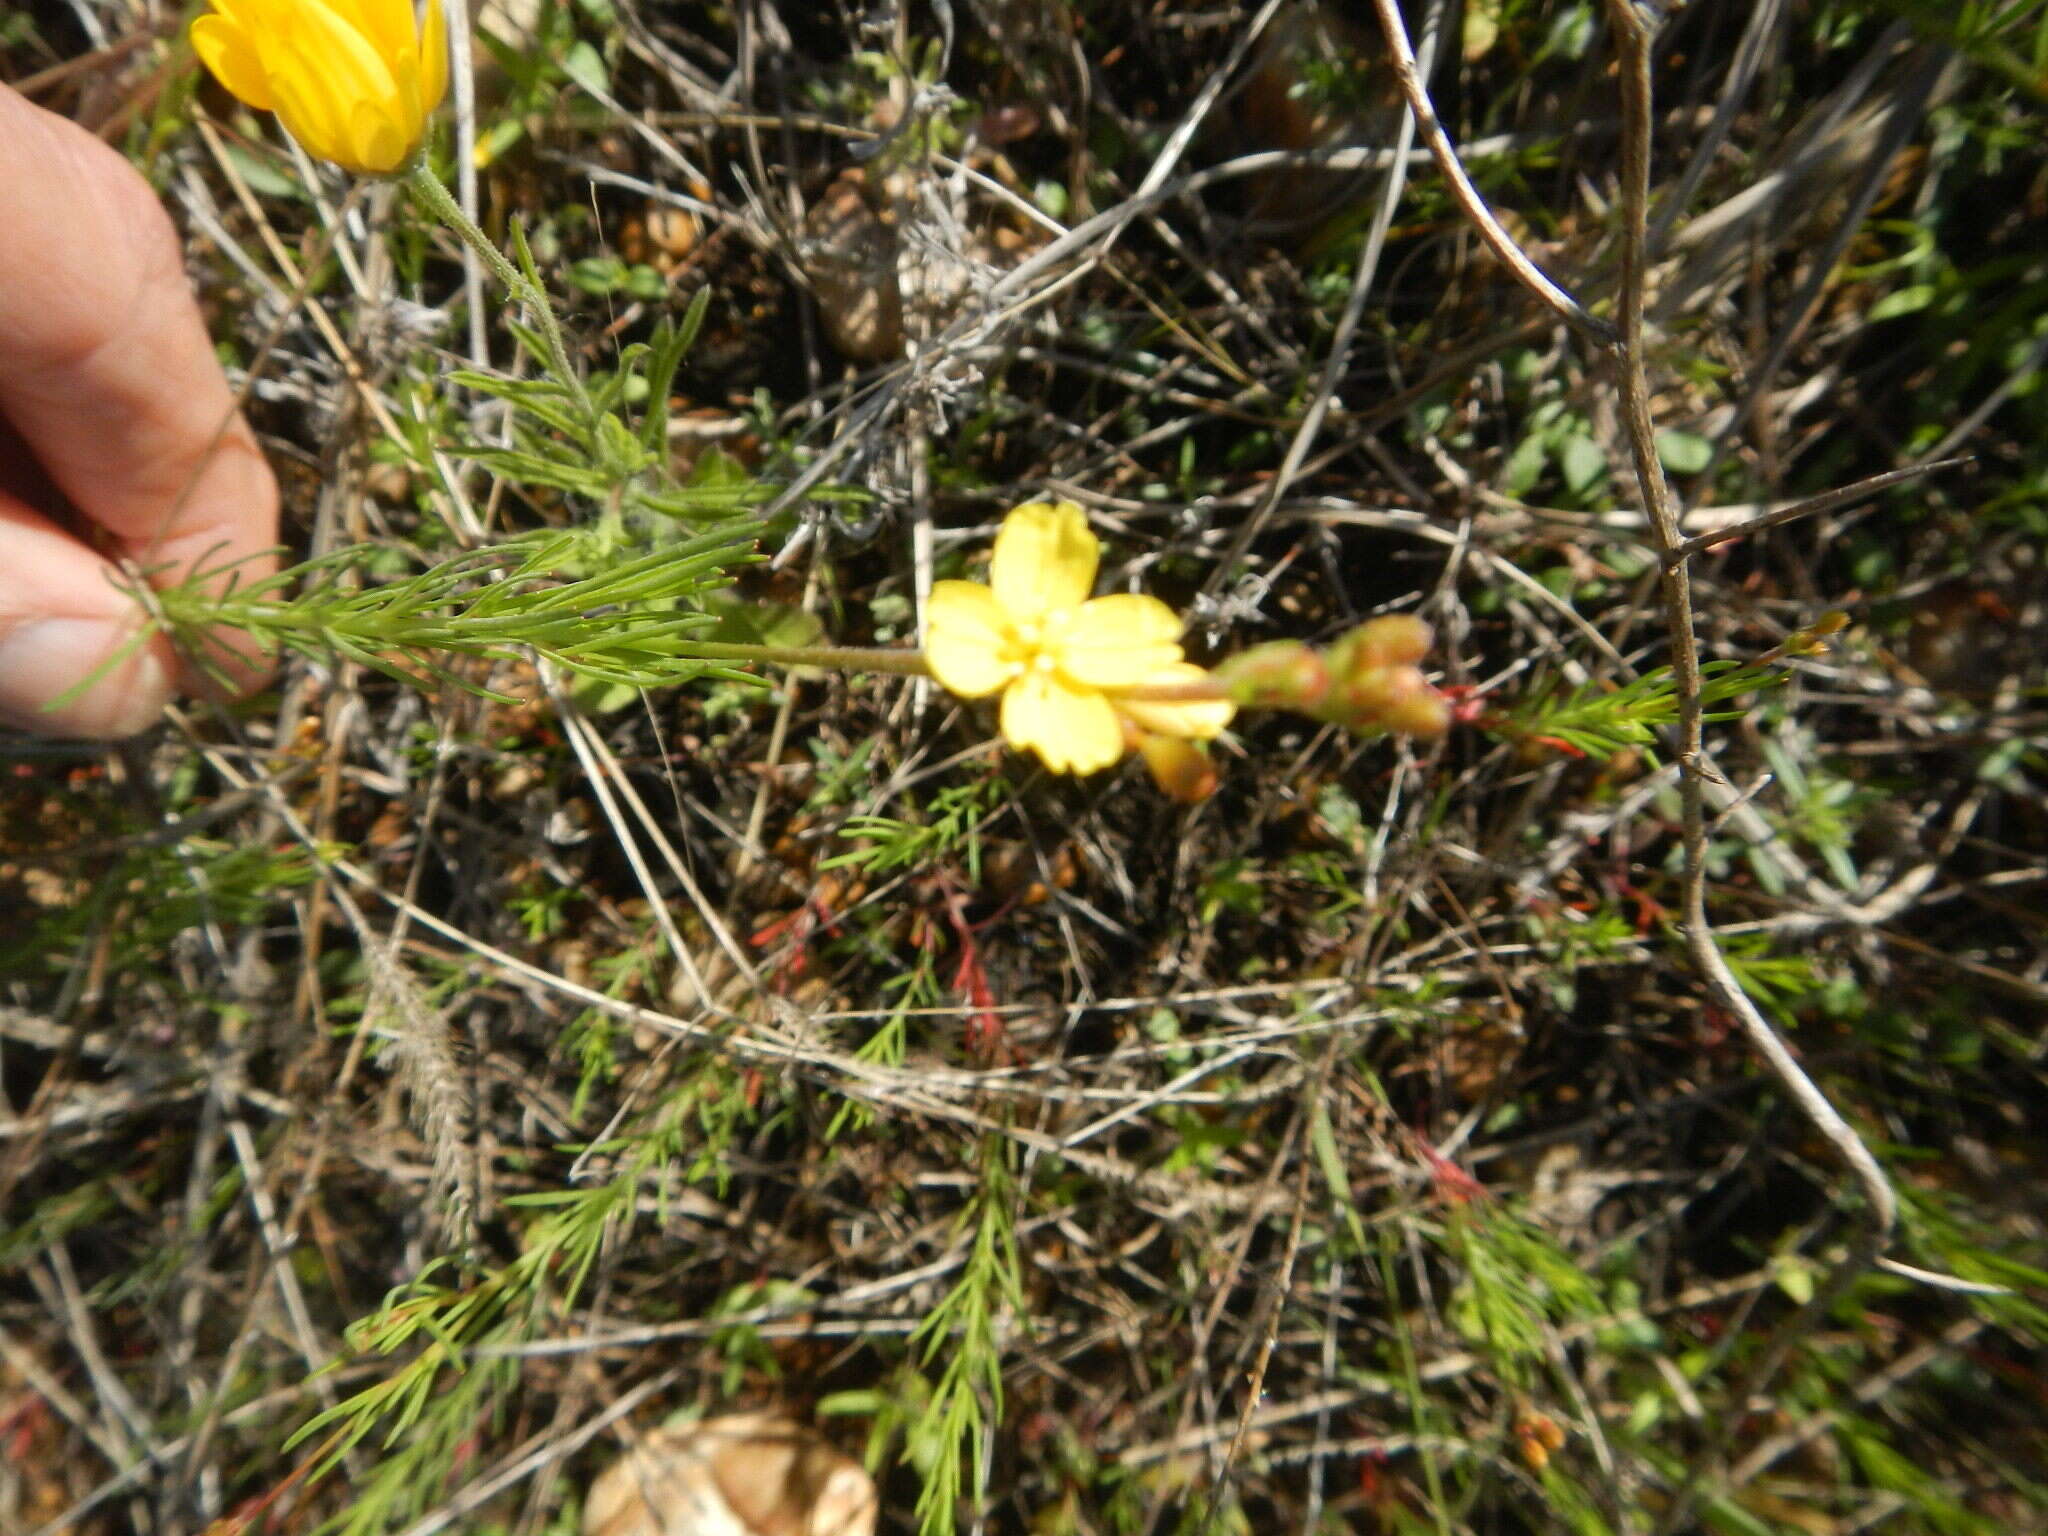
[438, 201]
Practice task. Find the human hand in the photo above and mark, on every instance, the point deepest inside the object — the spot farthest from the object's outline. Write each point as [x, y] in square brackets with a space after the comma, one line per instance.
[115, 419]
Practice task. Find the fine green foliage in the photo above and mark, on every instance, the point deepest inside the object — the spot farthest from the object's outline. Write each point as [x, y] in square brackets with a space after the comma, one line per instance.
[631, 622]
[616, 601]
[950, 831]
[450, 1328]
[945, 1409]
[606, 442]
[1597, 721]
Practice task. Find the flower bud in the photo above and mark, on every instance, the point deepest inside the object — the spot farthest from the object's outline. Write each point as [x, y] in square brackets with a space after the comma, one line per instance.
[1416, 708]
[1394, 639]
[1391, 698]
[1375, 684]
[1539, 1438]
[1366, 681]
[1282, 674]
[1180, 768]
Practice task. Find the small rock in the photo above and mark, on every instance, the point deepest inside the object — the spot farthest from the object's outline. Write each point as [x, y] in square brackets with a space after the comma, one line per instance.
[745, 1474]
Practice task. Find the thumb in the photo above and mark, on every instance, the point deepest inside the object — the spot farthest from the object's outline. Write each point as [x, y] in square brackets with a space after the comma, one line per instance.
[61, 620]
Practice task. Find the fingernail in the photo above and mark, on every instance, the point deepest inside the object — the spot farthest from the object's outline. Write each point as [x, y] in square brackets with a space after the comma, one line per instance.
[41, 659]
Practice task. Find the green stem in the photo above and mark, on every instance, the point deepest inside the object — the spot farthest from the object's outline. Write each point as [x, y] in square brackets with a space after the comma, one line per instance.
[193, 614]
[836, 658]
[439, 202]
[1173, 693]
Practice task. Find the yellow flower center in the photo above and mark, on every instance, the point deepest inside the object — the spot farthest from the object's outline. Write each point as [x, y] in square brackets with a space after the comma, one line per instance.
[1035, 643]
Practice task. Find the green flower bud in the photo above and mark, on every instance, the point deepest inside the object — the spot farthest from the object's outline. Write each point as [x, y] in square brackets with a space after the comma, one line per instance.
[1395, 639]
[1282, 674]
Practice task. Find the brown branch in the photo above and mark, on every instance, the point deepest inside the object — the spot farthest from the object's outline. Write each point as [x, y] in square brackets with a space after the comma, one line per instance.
[1633, 31]
[1497, 239]
[1813, 505]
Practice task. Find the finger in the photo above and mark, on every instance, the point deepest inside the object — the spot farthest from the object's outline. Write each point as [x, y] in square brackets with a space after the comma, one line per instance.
[105, 366]
[62, 617]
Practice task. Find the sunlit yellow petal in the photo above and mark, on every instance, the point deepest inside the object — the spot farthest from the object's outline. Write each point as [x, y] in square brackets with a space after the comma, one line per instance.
[379, 142]
[312, 111]
[255, 19]
[1195, 720]
[968, 643]
[433, 57]
[1073, 730]
[352, 80]
[386, 25]
[1116, 641]
[358, 73]
[227, 50]
[1044, 559]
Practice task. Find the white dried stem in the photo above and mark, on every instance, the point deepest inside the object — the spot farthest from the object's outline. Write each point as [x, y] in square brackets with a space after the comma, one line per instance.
[1497, 239]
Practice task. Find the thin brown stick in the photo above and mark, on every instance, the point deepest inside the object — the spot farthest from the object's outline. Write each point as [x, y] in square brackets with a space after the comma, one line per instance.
[1812, 506]
[1497, 239]
[1632, 41]
[1632, 35]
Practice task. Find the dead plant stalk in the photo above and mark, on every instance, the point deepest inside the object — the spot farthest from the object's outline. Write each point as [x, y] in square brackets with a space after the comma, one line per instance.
[1632, 37]
[1634, 29]
[1633, 32]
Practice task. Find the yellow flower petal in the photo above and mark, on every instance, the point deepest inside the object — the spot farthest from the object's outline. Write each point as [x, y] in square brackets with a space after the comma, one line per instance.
[352, 80]
[1195, 720]
[1116, 642]
[1044, 560]
[433, 57]
[224, 48]
[310, 111]
[968, 641]
[361, 85]
[386, 25]
[378, 143]
[1073, 730]
[304, 95]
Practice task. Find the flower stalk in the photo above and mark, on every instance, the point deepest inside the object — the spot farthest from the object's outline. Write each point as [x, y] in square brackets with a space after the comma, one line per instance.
[830, 658]
[433, 196]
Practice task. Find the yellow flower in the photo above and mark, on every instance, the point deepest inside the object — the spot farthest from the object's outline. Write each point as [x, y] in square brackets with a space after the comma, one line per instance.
[354, 81]
[1065, 663]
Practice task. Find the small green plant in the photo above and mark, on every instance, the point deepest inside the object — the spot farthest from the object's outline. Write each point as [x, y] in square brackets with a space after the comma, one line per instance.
[950, 833]
[1516, 1283]
[155, 893]
[453, 1329]
[1598, 721]
[1819, 808]
[943, 1417]
[620, 625]
[916, 989]
[1571, 940]
[963, 1338]
[606, 441]
[739, 1343]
